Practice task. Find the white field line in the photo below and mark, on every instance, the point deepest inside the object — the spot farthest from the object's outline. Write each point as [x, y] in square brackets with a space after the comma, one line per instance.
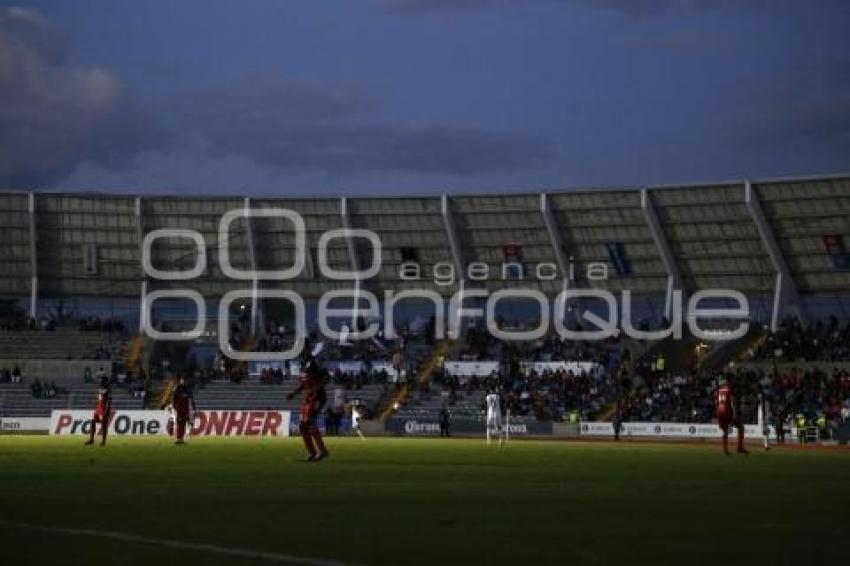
[182, 545]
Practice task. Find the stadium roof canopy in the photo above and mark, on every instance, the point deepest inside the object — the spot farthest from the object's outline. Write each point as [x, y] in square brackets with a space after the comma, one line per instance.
[785, 239]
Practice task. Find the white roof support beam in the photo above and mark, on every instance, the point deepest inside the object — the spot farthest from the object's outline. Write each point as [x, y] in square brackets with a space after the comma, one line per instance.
[555, 238]
[352, 257]
[33, 257]
[252, 261]
[674, 277]
[457, 257]
[140, 237]
[785, 294]
[451, 235]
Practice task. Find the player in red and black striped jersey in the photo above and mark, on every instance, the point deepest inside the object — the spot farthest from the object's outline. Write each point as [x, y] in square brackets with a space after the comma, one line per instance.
[313, 386]
[183, 405]
[728, 411]
[102, 412]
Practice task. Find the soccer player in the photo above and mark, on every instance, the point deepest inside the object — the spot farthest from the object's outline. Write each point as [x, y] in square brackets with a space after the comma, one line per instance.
[313, 385]
[764, 418]
[356, 415]
[445, 422]
[725, 409]
[494, 415]
[183, 406]
[102, 411]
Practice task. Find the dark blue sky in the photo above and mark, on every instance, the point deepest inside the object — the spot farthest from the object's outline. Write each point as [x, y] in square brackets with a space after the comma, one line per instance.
[418, 96]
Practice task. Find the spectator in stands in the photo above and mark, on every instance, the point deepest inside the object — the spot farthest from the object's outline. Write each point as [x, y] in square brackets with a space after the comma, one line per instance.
[35, 389]
[16, 375]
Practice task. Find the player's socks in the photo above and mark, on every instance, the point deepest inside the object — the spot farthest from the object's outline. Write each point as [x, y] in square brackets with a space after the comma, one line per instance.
[320, 444]
[308, 442]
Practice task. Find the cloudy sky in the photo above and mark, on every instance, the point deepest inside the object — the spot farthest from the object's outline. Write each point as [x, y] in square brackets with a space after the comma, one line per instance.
[383, 97]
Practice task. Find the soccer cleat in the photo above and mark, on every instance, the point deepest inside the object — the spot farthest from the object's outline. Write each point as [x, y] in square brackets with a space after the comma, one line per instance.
[322, 456]
[743, 451]
[310, 458]
[89, 442]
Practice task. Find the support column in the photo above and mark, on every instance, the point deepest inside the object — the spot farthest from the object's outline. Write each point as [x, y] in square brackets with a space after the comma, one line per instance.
[457, 257]
[451, 236]
[674, 277]
[352, 257]
[33, 258]
[554, 238]
[140, 236]
[252, 261]
[785, 292]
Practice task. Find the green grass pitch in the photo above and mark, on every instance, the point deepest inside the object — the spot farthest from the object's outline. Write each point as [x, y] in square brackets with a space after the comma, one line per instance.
[418, 501]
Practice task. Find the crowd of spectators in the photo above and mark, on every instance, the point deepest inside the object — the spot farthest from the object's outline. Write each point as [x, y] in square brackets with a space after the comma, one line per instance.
[11, 375]
[806, 393]
[637, 392]
[17, 319]
[546, 394]
[96, 324]
[46, 390]
[646, 391]
[820, 341]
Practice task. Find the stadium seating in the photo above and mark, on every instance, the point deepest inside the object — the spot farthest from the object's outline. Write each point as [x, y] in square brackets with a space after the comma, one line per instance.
[60, 344]
[252, 395]
[17, 400]
[779, 242]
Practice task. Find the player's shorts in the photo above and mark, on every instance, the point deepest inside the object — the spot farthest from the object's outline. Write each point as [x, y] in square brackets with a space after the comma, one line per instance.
[724, 421]
[494, 421]
[100, 411]
[309, 414]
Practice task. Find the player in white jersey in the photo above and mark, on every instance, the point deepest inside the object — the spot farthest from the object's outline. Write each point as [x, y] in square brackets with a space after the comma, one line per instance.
[494, 417]
[764, 418]
[356, 415]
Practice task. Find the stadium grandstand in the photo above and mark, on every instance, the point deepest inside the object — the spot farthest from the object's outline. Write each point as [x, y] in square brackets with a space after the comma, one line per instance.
[72, 284]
